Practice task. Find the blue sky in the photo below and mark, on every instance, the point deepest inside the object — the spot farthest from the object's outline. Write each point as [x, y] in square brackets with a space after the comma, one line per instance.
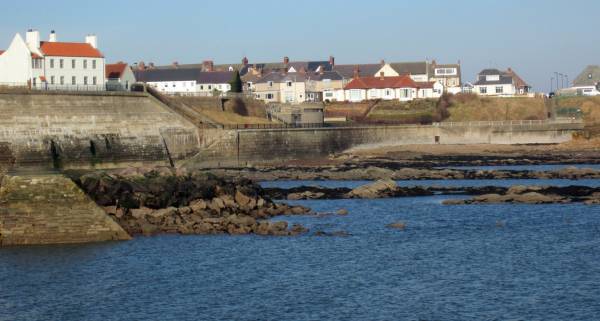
[536, 38]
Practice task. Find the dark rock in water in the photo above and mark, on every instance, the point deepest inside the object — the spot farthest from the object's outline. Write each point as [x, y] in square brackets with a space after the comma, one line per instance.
[166, 201]
[336, 233]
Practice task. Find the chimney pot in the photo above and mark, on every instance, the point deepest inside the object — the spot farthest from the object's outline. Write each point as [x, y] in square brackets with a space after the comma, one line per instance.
[356, 71]
[382, 62]
[245, 61]
[381, 75]
[332, 61]
[433, 62]
[286, 60]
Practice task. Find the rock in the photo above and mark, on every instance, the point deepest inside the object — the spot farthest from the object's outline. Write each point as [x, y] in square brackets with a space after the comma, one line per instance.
[185, 210]
[299, 210]
[378, 189]
[148, 229]
[397, 225]
[140, 213]
[242, 199]
[241, 220]
[298, 229]
[536, 198]
[198, 205]
[454, 202]
[342, 212]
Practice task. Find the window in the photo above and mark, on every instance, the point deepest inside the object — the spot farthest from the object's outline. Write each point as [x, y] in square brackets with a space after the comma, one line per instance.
[289, 84]
[73, 79]
[94, 80]
[84, 64]
[445, 71]
[483, 90]
[201, 87]
[589, 76]
[52, 80]
[93, 64]
[329, 94]
[270, 84]
[85, 80]
[61, 63]
[34, 81]
[388, 92]
[209, 87]
[51, 63]
[62, 80]
[269, 96]
[499, 89]
[73, 63]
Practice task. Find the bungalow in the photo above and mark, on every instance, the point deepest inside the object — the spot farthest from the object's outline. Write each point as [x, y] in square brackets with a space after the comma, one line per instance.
[416, 70]
[119, 76]
[186, 81]
[493, 82]
[281, 87]
[402, 88]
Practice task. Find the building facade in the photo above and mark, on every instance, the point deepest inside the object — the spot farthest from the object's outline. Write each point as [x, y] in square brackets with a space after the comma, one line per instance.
[53, 64]
[494, 82]
[119, 76]
[186, 81]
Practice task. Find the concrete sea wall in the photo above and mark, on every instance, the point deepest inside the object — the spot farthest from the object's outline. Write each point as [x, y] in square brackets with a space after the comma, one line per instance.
[51, 209]
[241, 147]
[91, 130]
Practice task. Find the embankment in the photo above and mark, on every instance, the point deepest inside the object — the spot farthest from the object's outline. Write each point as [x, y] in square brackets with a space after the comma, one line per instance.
[91, 130]
[241, 147]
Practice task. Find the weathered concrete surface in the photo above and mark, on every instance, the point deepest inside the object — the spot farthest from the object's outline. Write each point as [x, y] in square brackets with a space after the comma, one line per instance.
[91, 130]
[240, 147]
[51, 209]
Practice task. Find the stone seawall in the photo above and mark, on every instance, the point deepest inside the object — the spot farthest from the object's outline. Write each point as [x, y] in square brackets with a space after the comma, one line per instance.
[91, 130]
[51, 209]
[241, 147]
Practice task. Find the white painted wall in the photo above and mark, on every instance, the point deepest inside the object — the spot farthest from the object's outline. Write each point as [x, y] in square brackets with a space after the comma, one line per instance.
[507, 90]
[15, 62]
[53, 69]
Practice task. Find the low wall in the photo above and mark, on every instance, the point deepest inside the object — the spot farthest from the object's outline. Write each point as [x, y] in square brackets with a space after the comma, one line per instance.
[91, 130]
[241, 147]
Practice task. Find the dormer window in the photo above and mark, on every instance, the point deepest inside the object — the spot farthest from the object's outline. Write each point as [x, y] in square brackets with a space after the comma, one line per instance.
[492, 77]
[445, 71]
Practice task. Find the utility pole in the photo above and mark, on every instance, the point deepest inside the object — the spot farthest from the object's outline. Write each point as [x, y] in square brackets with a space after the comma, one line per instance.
[556, 77]
[551, 84]
[567, 81]
[562, 81]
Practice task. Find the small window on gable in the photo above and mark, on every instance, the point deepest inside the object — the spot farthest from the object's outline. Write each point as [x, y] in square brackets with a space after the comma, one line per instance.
[289, 84]
[270, 84]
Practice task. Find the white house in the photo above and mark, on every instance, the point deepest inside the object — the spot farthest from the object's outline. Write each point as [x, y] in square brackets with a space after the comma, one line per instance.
[447, 75]
[119, 76]
[52, 64]
[493, 82]
[188, 81]
[401, 88]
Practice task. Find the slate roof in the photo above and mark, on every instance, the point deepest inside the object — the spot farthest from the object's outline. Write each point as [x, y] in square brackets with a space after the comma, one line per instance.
[410, 68]
[69, 49]
[365, 70]
[381, 83]
[309, 65]
[590, 76]
[432, 68]
[183, 74]
[506, 77]
[278, 77]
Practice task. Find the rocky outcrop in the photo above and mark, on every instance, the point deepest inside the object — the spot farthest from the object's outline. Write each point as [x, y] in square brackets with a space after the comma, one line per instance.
[379, 189]
[536, 195]
[165, 201]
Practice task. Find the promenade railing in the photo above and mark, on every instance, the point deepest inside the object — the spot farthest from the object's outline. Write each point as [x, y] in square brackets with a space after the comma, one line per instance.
[7, 86]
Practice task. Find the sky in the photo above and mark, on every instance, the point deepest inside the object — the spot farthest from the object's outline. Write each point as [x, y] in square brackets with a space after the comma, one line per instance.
[534, 37]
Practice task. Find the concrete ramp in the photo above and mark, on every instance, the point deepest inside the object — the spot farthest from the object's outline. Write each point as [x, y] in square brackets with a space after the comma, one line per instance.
[51, 209]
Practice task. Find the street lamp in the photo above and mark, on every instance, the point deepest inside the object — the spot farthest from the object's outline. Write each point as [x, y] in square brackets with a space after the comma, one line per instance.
[551, 84]
[567, 81]
[556, 77]
[562, 81]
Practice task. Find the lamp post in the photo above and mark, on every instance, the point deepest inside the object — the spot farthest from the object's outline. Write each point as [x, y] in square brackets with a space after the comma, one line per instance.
[556, 77]
[562, 81]
[551, 84]
[567, 81]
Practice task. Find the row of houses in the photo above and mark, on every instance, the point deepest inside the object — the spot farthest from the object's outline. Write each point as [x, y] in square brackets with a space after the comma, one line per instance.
[53, 64]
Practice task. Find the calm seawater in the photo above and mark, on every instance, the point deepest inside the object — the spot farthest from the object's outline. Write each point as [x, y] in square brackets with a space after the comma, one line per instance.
[483, 262]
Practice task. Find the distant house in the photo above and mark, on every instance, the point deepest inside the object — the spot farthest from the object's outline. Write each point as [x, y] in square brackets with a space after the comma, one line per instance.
[449, 75]
[324, 86]
[52, 64]
[402, 88]
[493, 82]
[587, 83]
[119, 76]
[281, 87]
[186, 81]
[418, 71]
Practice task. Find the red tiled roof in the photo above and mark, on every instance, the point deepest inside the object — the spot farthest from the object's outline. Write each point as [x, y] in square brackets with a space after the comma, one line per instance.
[114, 71]
[379, 82]
[1, 52]
[35, 56]
[425, 84]
[70, 49]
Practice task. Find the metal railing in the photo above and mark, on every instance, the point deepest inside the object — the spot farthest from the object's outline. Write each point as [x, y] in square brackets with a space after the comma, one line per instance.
[7, 86]
[508, 123]
[206, 94]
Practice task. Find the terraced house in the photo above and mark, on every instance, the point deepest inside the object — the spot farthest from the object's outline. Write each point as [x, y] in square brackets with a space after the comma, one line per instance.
[52, 64]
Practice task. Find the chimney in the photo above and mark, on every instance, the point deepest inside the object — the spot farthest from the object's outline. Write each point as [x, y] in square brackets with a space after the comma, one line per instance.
[208, 65]
[52, 37]
[151, 65]
[141, 65]
[510, 70]
[245, 61]
[92, 40]
[32, 38]
[332, 61]
[321, 70]
[356, 72]
[175, 64]
[381, 75]
[382, 62]
[433, 62]
[286, 60]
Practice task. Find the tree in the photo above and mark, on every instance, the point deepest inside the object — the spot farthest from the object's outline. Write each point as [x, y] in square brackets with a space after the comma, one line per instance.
[236, 83]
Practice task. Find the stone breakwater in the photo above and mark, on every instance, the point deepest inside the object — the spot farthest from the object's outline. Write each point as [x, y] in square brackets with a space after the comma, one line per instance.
[165, 201]
[371, 172]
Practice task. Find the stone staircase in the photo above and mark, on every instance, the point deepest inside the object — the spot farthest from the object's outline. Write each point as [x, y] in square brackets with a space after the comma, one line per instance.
[51, 209]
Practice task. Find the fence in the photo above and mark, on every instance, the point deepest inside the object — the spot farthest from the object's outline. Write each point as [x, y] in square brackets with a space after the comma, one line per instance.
[508, 123]
[56, 87]
[207, 94]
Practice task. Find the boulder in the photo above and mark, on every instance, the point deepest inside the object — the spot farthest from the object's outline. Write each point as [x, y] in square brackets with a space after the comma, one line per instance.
[342, 212]
[140, 213]
[198, 205]
[378, 189]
